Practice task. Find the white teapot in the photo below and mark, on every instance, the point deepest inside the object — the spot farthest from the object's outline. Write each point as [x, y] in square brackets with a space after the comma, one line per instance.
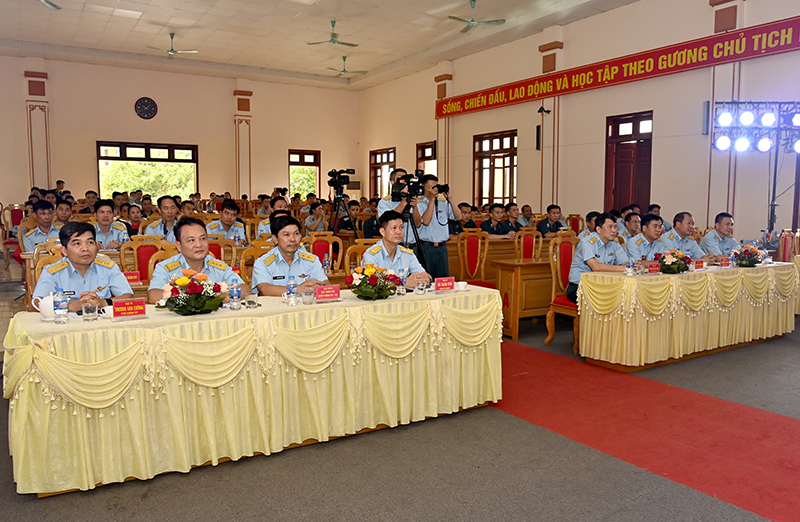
[45, 306]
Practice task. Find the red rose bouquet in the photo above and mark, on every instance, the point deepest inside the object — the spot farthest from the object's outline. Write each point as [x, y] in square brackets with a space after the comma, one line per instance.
[371, 282]
[192, 294]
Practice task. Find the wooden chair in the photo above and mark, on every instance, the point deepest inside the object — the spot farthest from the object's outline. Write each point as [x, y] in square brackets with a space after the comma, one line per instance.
[84, 218]
[263, 242]
[353, 255]
[786, 250]
[360, 223]
[251, 227]
[246, 260]
[367, 241]
[576, 223]
[50, 246]
[223, 249]
[473, 247]
[697, 235]
[45, 260]
[709, 229]
[560, 253]
[321, 243]
[12, 216]
[155, 259]
[142, 248]
[528, 243]
[29, 223]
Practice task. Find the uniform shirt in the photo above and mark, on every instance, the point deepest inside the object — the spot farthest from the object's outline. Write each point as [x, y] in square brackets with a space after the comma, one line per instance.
[687, 245]
[438, 230]
[592, 247]
[626, 235]
[272, 268]
[525, 222]
[544, 226]
[712, 243]
[456, 227]
[35, 236]
[169, 269]
[371, 228]
[345, 223]
[667, 226]
[261, 211]
[215, 227]
[403, 258]
[310, 220]
[263, 228]
[500, 230]
[386, 204]
[639, 248]
[156, 228]
[515, 227]
[102, 273]
[116, 232]
[585, 233]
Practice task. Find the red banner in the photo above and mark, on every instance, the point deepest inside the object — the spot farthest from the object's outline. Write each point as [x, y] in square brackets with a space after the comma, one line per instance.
[753, 42]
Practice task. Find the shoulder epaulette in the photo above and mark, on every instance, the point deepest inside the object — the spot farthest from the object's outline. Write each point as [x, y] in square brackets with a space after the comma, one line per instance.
[118, 226]
[264, 222]
[237, 224]
[307, 257]
[406, 250]
[213, 225]
[154, 223]
[60, 266]
[659, 239]
[268, 261]
[592, 240]
[385, 198]
[172, 266]
[58, 227]
[29, 232]
[671, 236]
[216, 263]
[374, 250]
[640, 241]
[441, 197]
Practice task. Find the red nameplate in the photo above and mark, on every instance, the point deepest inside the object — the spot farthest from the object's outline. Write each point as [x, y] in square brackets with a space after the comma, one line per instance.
[445, 284]
[129, 309]
[324, 293]
[133, 277]
[235, 269]
[725, 262]
[653, 268]
[698, 264]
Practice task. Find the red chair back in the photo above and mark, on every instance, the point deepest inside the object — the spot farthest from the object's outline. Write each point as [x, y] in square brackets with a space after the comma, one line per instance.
[17, 215]
[575, 224]
[565, 252]
[215, 250]
[143, 255]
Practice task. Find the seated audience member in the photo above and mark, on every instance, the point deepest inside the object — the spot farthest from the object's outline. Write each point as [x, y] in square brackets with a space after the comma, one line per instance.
[625, 211]
[265, 208]
[60, 188]
[720, 241]
[656, 209]
[315, 222]
[43, 214]
[70, 199]
[109, 234]
[50, 196]
[348, 222]
[590, 217]
[164, 227]
[648, 243]
[91, 199]
[118, 198]
[512, 211]
[495, 226]
[147, 206]
[135, 215]
[227, 224]
[311, 198]
[272, 270]
[526, 217]
[192, 243]
[277, 203]
[136, 198]
[63, 213]
[485, 208]
[371, 227]
[680, 237]
[548, 227]
[372, 208]
[388, 253]
[633, 225]
[187, 208]
[596, 253]
[85, 277]
[457, 226]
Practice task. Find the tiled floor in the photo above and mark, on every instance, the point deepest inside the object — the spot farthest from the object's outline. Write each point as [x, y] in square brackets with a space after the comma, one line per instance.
[8, 292]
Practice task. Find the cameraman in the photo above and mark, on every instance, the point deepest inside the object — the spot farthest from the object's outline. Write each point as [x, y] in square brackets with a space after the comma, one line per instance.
[399, 184]
[433, 234]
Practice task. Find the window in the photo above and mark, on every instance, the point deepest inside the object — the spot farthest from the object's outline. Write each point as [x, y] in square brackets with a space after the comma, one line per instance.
[381, 163]
[630, 127]
[426, 157]
[304, 168]
[155, 168]
[495, 160]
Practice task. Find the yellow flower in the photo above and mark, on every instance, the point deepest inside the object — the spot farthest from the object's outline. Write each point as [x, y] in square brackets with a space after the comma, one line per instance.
[380, 270]
[680, 254]
[182, 281]
[359, 269]
[188, 272]
[369, 271]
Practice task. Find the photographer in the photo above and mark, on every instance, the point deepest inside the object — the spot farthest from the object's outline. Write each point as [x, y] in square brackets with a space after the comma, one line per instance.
[433, 234]
[397, 201]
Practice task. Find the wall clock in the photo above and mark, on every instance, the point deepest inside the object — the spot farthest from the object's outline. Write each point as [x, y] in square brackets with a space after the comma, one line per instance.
[146, 108]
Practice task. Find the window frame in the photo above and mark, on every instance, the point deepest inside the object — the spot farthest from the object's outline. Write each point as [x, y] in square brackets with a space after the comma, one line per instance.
[510, 177]
[422, 157]
[171, 147]
[304, 163]
[375, 168]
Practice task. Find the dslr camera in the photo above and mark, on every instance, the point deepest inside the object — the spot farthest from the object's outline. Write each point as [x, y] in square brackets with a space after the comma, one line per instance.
[408, 187]
[338, 180]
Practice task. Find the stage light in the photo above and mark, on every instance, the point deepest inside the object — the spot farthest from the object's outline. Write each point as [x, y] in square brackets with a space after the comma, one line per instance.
[741, 144]
[764, 144]
[723, 143]
[725, 119]
[796, 120]
[768, 119]
[746, 118]
[797, 146]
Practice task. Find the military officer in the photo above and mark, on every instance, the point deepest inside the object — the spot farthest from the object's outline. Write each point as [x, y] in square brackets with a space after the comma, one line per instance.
[277, 203]
[43, 213]
[227, 223]
[645, 245]
[436, 212]
[109, 234]
[388, 253]
[596, 253]
[656, 209]
[680, 237]
[633, 225]
[165, 226]
[590, 217]
[719, 241]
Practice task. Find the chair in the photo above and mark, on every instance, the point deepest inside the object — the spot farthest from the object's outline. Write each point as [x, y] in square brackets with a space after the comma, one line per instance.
[786, 250]
[45, 260]
[353, 256]
[246, 260]
[321, 243]
[155, 259]
[560, 253]
[528, 243]
[223, 249]
[142, 248]
[367, 241]
[360, 223]
[251, 227]
[29, 223]
[576, 223]
[12, 216]
[263, 242]
[84, 218]
[50, 246]
[473, 247]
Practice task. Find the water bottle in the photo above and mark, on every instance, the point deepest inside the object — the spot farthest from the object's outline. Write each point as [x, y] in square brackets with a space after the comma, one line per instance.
[326, 264]
[237, 239]
[60, 306]
[236, 297]
[291, 291]
[732, 258]
[629, 266]
[401, 288]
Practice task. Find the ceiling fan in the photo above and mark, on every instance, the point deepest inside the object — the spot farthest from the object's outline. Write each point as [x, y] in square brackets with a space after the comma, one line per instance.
[472, 23]
[171, 52]
[51, 5]
[334, 37]
[344, 69]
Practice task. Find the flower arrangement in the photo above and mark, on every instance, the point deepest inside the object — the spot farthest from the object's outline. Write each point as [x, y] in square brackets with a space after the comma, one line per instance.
[371, 282]
[673, 261]
[747, 256]
[193, 294]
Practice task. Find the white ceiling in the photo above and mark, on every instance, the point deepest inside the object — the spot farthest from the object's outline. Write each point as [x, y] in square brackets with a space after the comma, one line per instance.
[267, 39]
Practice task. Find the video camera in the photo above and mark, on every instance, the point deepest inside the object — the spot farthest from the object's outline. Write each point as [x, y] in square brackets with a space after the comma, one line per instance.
[408, 187]
[339, 178]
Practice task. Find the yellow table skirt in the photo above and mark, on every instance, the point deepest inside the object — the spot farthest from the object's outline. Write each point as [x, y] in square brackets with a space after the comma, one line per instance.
[641, 320]
[97, 403]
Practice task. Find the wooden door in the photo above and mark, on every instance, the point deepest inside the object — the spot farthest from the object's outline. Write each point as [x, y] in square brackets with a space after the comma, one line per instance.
[628, 160]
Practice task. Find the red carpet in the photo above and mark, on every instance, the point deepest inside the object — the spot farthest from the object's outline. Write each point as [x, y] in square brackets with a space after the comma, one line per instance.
[742, 455]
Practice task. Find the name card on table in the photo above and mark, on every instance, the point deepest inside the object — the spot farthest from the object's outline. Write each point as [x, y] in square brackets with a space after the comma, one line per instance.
[653, 268]
[133, 277]
[725, 262]
[699, 264]
[445, 284]
[324, 293]
[127, 309]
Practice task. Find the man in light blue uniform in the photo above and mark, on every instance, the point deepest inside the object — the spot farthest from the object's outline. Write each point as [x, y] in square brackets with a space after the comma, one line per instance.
[624, 212]
[719, 241]
[656, 209]
[192, 243]
[227, 223]
[164, 227]
[397, 184]
[278, 203]
[680, 237]
[108, 233]
[590, 217]
[43, 213]
[633, 225]
[272, 270]
[648, 243]
[82, 275]
[387, 253]
[597, 253]
[436, 212]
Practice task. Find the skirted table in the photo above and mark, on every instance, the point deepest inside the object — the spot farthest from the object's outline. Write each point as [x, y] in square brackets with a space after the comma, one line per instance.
[95, 403]
[632, 322]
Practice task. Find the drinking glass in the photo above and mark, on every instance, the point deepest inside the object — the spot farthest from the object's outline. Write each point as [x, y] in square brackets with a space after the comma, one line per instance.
[89, 312]
[308, 296]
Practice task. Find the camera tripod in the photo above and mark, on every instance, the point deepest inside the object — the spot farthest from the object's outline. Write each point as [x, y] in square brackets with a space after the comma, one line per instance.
[408, 221]
[337, 202]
